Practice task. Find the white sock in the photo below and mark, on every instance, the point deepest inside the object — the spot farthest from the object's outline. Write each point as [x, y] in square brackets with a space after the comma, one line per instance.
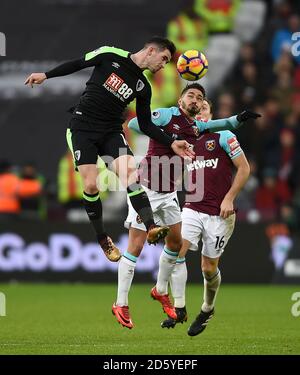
[211, 287]
[167, 262]
[125, 277]
[178, 282]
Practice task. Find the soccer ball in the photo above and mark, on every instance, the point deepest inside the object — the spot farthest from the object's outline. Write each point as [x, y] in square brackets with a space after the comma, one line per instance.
[192, 65]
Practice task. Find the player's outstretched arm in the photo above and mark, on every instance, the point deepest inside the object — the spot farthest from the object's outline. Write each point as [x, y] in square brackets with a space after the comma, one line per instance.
[230, 123]
[60, 70]
[64, 69]
[160, 117]
[247, 115]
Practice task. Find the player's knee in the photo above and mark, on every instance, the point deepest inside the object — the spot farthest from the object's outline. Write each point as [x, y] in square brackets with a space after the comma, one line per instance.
[131, 173]
[128, 176]
[209, 269]
[90, 186]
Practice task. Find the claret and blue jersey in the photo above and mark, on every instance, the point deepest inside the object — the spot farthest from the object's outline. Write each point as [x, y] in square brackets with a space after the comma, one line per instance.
[210, 173]
[214, 148]
[173, 121]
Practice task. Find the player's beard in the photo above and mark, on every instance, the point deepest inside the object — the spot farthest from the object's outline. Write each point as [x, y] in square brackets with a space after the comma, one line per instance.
[191, 109]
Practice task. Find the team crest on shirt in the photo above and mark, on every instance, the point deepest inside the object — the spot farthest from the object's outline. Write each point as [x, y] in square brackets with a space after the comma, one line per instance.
[77, 154]
[196, 131]
[210, 145]
[140, 85]
[139, 220]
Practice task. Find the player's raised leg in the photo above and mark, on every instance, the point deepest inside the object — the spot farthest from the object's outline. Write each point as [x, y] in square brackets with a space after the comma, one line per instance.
[126, 269]
[178, 284]
[93, 206]
[167, 263]
[124, 167]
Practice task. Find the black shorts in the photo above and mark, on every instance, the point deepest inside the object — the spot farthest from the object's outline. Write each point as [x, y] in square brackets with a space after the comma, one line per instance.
[86, 146]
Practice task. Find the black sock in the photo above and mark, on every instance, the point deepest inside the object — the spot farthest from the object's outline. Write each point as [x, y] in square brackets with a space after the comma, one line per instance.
[141, 204]
[93, 207]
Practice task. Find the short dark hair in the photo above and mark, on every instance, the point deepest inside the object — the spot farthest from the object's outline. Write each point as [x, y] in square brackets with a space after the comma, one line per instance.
[162, 43]
[209, 102]
[194, 85]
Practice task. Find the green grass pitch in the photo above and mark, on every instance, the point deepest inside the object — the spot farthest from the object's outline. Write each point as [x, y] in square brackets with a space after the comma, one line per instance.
[77, 319]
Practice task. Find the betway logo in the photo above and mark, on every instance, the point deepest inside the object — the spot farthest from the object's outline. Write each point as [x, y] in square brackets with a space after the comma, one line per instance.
[199, 164]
